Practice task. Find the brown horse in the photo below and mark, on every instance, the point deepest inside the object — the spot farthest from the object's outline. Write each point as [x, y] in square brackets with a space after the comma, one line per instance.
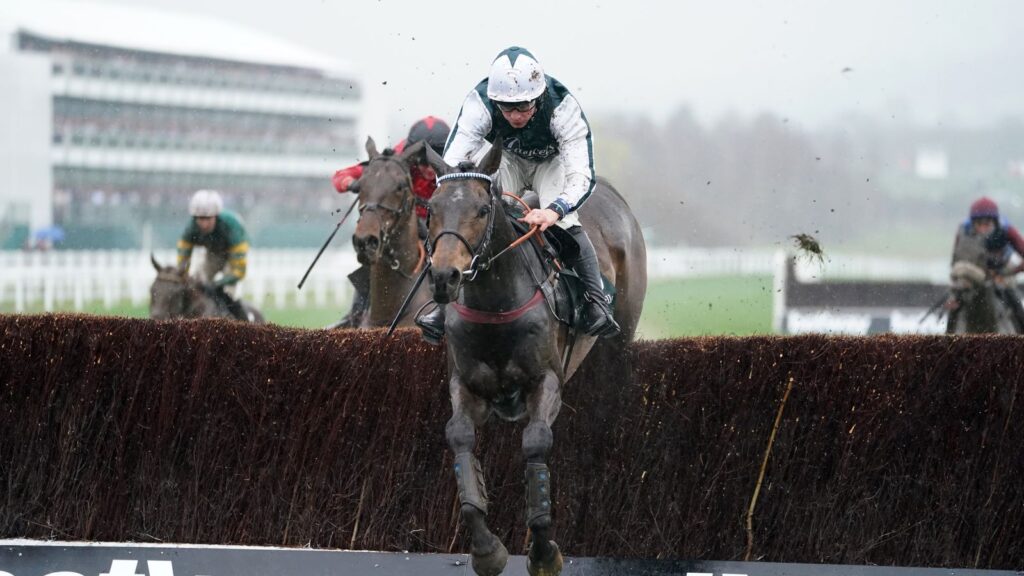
[387, 233]
[174, 294]
[512, 362]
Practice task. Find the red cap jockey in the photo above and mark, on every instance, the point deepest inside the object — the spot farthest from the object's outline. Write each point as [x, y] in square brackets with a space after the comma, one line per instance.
[424, 180]
[984, 207]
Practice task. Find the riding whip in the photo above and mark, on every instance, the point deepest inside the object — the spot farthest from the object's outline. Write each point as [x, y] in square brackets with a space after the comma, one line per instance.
[329, 238]
[935, 308]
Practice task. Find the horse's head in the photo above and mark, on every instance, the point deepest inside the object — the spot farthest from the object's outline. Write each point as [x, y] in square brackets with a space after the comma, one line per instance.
[462, 212]
[967, 280]
[385, 199]
[169, 293]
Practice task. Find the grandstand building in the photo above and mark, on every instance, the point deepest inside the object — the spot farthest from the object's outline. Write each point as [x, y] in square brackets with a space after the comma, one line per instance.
[115, 114]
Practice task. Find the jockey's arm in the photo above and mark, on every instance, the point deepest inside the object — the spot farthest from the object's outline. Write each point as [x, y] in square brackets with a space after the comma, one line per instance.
[471, 127]
[575, 144]
[185, 246]
[237, 257]
[346, 176]
[1017, 241]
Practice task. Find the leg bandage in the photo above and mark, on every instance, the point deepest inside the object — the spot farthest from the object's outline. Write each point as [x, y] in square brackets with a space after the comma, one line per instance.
[538, 492]
[470, 478]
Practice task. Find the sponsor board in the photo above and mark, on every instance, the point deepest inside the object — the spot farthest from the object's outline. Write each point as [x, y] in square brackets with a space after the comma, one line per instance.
[863, 322]
[30, 558]
[854, 307]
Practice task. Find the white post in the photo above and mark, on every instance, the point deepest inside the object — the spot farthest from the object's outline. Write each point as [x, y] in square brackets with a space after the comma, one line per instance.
[779, 291]
[49, 286]
[19, 293]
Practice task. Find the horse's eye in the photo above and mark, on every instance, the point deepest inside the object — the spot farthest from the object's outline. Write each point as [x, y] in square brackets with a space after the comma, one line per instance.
[483, 211]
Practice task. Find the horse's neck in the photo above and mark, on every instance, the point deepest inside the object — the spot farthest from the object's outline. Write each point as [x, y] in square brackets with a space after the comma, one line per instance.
[980, 310]
[388, 286]
[200, 305]
[508, 283]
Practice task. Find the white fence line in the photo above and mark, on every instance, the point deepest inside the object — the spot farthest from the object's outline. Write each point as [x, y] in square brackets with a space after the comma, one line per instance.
[63, 280]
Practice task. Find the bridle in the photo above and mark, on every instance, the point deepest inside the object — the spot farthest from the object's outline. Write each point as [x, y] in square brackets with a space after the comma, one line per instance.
[478, 263]
[186, 288]
[400, 214]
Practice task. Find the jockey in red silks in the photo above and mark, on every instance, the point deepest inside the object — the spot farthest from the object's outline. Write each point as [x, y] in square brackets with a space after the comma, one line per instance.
[424, 179]
[434, 132]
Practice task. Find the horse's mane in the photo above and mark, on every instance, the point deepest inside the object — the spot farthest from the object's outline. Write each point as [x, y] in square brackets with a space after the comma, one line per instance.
[168, 273]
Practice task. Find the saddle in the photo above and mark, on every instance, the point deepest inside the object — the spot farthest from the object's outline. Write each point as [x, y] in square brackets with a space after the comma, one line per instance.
[561, 286]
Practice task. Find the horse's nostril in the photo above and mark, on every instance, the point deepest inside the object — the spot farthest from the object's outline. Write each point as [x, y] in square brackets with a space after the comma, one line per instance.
[365, 243]
[454, 277]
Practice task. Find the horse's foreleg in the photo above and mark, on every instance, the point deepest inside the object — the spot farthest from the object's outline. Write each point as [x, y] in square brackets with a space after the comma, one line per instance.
[543, 558]
[489, 554]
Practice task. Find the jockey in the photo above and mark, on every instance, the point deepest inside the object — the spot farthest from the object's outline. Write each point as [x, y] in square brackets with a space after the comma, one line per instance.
[988, 242]
[548, 148]
[227, 244]
[424, 181]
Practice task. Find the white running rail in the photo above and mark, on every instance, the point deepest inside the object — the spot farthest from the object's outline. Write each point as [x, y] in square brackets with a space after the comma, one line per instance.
[69, 280]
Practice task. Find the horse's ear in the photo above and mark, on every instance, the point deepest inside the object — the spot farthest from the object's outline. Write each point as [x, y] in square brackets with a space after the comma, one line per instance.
[413, 154]
[436, 162]
[371, 148]
[152, 258]
[490, 163]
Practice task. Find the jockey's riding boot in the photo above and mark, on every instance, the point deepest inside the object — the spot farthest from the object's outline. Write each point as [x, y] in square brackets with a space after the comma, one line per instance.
[432, 325]
[237, 310]
[233, 306]
[421, 228]
[360, 280]
[597, 317]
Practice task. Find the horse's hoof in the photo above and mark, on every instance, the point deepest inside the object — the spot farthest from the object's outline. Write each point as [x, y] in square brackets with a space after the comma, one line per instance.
[551, 566]
[493, 562]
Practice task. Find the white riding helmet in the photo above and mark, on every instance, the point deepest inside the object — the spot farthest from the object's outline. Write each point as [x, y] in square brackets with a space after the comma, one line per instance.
[205, 203]
[515, 76]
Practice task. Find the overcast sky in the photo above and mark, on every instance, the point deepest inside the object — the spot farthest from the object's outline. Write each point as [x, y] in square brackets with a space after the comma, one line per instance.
[810, 60]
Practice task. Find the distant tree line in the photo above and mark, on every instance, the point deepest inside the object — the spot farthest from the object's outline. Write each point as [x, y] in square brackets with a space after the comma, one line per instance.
[756, 181]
